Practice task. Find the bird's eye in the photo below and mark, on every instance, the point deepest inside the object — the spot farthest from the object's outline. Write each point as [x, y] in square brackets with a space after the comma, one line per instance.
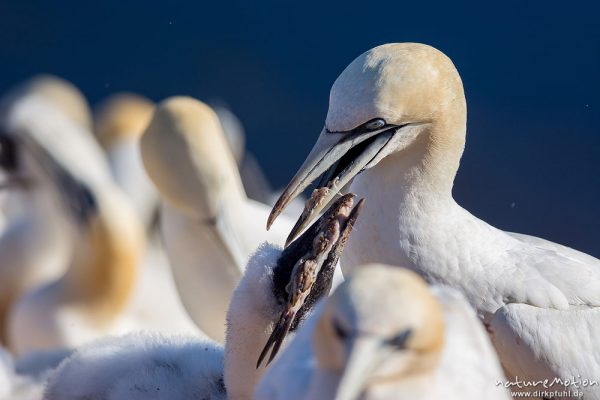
[339, 331]
[374, 124]
[400, 339]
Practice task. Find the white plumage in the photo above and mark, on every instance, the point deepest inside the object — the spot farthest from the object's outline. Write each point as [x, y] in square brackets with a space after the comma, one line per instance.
[119, 122]
[100, 293]
[209, 225]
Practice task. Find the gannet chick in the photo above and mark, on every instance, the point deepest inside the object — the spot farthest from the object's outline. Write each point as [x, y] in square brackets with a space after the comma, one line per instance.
[119, 122]
[146, 366]
[398, 115]
[383, 334]
[141, 366]
[209, 225]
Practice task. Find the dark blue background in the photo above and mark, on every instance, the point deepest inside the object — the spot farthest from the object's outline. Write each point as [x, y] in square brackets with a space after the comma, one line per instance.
[530, 69]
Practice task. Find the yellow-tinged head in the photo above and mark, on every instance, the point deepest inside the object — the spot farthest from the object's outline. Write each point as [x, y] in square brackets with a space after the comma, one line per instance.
[400, 99]
[187, 157]
[122, 115]
[398, 82]
[381, 324]
[63, 95]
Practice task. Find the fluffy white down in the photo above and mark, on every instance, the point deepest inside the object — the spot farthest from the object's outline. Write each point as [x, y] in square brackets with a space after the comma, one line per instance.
[156, 367]
[20, 385]
[39, 364]
[141, 366]
[289, 375]
[250, 321]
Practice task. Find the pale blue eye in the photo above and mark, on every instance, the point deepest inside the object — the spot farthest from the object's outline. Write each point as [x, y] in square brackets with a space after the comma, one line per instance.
[375, 124]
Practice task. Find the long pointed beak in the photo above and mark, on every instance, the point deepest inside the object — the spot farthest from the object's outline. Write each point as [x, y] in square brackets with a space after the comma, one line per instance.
[326, 159]
[365, 355]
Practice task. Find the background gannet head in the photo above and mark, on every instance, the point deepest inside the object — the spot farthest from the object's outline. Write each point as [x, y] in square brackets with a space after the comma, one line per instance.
[122, 114]
[62, 94]
[382, 103]
[379, 325]
[188, 159]
[30, 117]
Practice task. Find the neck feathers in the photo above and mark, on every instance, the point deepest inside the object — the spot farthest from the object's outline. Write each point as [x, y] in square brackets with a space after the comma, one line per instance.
[104, 269]
[427, 168]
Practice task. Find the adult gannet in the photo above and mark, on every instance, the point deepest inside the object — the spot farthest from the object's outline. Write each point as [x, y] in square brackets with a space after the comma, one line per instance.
[209, 225]
[96, 296]
[143, 366]
[383, 334]
[119, 122]
[34, 244]
[398, 115]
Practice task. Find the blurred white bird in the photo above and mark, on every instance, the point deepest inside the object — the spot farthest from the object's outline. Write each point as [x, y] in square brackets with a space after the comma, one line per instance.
[398, 115]
[98, 293]
[384, 334]
[34, 244]
[209, 225]
[144, 366]
[141, 366]
[119, 122]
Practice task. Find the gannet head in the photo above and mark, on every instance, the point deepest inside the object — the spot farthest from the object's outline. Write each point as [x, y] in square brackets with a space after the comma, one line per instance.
[186, 156]
[379, 325]
[122, 115]
[63, 95]
[30, 120]
[381, 104]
